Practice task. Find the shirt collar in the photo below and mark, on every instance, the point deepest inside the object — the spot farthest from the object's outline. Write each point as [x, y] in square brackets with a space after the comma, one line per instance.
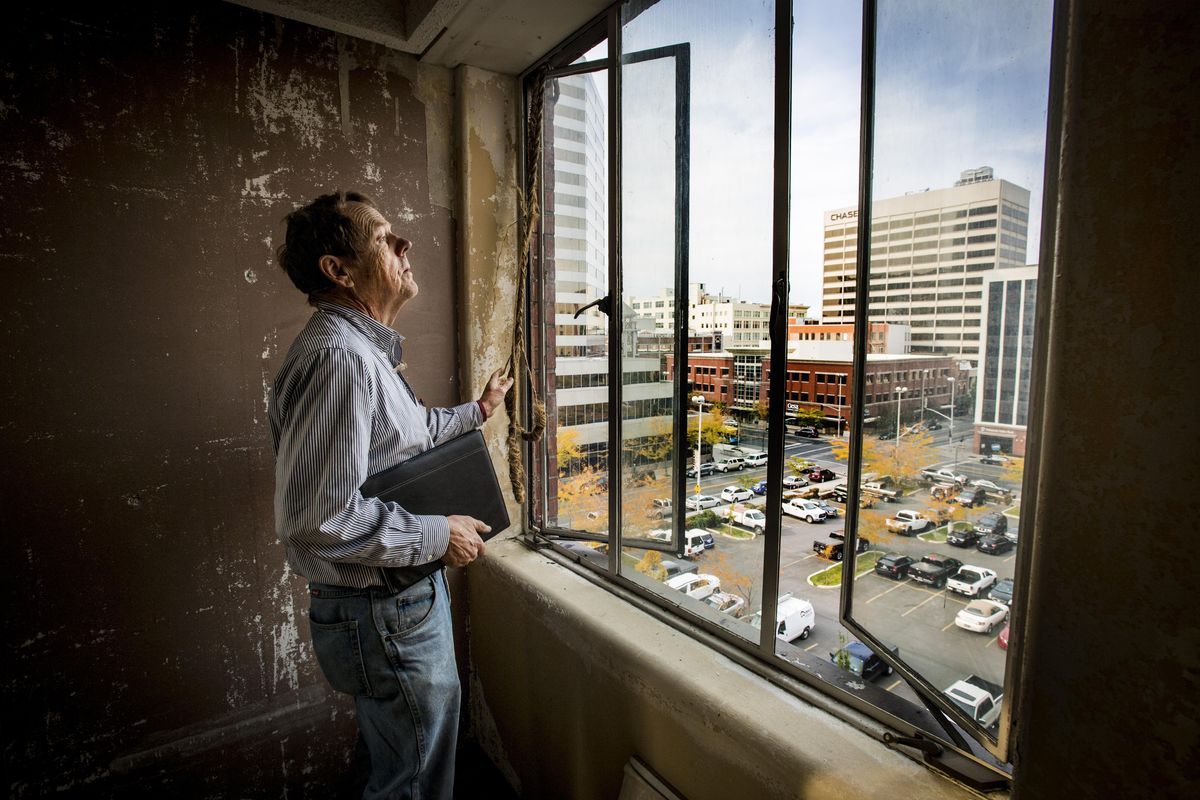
[381, 335]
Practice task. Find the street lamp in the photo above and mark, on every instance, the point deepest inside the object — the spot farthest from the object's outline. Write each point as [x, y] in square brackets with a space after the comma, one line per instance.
[839, 427]
[951, 439]
[899, 391]
[699, 400]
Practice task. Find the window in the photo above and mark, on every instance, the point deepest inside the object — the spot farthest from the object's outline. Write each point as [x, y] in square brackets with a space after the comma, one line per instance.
[693, 110]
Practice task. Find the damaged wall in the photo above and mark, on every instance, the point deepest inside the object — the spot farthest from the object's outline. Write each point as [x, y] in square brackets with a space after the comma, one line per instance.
[154, 635]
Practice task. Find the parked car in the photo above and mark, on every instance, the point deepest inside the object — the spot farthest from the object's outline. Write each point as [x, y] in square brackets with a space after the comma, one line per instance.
[660, 535]
[673, 568]
[934, 569]
[695, 585]
[735, 494]
[863, 543]
[1002, 592]
[943, 475]
[971, 580]
[698, 501]
[726, 603]
[729, 464]
[794, 481]
[861, 660]
[969, 497]
[893, 565]
[831, 511]
[705, 536]
[808, 432]
[981, 616]
[660, 508]
[760, 488]
[991, 488]
[994, 458]
[755, 459]
[962, 537]
[796, 618]
[908, 523]
[886, 435]
[803, 509]
[705, 470]
[820, 474]
[934, 426]
[992, 522]
[995, 544]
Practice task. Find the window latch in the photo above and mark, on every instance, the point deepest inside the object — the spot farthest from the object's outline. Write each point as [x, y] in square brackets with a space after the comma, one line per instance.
[603, 304]
[926, 746]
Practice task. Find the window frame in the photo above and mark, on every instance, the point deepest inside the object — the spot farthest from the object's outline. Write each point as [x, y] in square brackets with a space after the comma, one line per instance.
[923, 728]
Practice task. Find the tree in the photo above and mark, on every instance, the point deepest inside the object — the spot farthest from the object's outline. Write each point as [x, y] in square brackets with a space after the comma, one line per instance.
[715, 423]
[569, 452]
[901, 458]
[761, 410]
[809, 416]
[651, 565]
[732, 579]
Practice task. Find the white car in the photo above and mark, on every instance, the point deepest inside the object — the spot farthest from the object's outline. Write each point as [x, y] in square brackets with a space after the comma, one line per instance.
[725, 602]
[981, 616]
[660, 535]
[804, 509]
[735, 494]
[729, 464]
[794, 481]
[756, 460]
[698, 501]
[971, 580]
[698, 586]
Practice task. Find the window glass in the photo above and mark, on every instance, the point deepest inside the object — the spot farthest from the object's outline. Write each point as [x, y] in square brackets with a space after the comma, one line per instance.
[574, 251]
[956, 85]
[696, 194]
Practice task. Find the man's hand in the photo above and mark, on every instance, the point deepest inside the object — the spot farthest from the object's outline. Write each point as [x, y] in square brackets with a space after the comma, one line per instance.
[493, 393]
[465, 544]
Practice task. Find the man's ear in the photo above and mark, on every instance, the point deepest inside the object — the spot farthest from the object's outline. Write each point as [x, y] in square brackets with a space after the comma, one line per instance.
[334, 268]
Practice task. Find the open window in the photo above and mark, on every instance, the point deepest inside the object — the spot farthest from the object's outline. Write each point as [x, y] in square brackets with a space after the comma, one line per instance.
[772, 411]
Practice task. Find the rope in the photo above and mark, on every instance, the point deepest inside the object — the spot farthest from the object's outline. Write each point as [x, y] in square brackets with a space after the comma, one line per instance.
[518, 359]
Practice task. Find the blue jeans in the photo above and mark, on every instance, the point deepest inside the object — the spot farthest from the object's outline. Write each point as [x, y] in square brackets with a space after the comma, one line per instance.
[395, 654]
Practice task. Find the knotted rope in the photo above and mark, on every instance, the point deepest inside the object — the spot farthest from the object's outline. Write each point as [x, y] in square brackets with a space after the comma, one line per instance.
[518, 359]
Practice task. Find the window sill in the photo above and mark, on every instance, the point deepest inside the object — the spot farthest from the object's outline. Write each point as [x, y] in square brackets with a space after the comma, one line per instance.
[571, 680]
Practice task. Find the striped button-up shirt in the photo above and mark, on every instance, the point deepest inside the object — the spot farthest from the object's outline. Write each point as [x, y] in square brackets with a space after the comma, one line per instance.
[340, 413]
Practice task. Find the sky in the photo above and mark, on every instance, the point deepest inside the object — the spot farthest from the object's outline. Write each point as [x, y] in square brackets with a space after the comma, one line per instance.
[959, 85]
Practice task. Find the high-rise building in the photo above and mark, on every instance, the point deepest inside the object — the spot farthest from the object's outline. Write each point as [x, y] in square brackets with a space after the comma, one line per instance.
[576, 191]
[930, 253]
[1002, 395]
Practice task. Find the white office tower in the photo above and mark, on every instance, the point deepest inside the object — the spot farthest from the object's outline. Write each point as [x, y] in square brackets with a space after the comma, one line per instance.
[930, 252]
[577, 193]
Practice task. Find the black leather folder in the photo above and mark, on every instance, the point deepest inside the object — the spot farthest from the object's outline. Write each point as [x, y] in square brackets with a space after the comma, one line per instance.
[456, 477]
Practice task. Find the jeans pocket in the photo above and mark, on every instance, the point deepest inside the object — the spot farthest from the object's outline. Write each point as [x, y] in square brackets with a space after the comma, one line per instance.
[412, 608]
[339, 652]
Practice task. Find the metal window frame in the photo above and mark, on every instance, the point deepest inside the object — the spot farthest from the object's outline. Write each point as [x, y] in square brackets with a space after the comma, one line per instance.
[864, 706]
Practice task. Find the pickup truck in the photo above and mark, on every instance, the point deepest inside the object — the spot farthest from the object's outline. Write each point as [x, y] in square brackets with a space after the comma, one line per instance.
[835, 550]
[908, 523]
[942, 475]
[978, 698]
[934, 570]
[971, 580]
[750, 517]
[880, 486]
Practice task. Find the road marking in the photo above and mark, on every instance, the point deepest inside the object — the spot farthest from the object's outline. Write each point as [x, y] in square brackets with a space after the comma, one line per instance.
[918, 605]
[812, 646]
[894, 685]
[885, 591]
[948, 626]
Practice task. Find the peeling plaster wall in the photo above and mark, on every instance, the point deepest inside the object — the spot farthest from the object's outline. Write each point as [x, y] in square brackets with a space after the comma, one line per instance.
[153, 635]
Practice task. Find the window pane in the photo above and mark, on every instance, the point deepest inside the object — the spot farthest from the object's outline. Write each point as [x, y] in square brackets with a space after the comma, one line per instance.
[960, 121]
[697, 100]
[575, 259]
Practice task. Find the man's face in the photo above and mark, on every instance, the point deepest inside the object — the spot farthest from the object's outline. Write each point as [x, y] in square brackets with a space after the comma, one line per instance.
[383, 277]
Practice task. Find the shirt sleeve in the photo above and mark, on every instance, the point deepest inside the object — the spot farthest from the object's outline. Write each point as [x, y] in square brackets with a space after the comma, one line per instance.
[325, 436]
[446, 423]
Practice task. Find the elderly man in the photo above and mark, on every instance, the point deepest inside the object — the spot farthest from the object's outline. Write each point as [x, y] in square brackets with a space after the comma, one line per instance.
[341, 411]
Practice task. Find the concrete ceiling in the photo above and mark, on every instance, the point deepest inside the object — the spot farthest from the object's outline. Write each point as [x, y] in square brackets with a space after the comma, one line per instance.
[505, 36]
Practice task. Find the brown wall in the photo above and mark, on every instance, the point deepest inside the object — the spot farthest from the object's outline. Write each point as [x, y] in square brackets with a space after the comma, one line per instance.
[152, 632]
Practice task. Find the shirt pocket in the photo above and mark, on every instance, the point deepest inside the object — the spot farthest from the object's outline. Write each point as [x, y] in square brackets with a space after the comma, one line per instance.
[339, 652]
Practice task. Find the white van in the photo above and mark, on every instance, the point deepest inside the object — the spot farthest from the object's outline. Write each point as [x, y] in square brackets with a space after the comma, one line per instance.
[694, 542]
[797, 619]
